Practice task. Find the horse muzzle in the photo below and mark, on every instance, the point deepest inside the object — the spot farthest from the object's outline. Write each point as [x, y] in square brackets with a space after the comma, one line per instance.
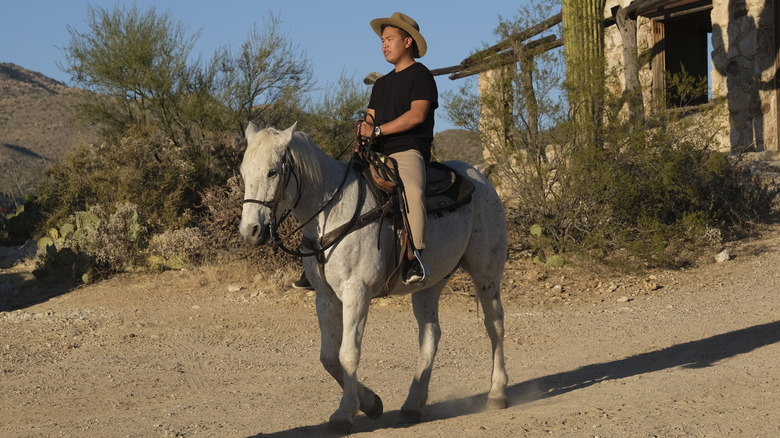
[260, 235]
[255, 233]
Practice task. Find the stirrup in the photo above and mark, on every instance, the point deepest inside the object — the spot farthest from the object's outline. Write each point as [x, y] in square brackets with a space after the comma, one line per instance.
[419, 270]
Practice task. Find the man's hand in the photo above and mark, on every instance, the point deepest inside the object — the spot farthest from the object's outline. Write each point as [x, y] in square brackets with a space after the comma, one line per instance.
[366, 129]
[365, 132]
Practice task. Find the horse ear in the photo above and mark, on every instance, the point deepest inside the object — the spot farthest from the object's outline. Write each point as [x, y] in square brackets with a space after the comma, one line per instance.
[288, 133]
[251, 130]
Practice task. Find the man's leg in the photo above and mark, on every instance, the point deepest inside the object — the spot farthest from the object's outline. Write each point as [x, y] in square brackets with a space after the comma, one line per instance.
[411, 169]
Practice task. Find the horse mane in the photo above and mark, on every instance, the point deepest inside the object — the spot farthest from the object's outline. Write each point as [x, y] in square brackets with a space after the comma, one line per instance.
[308, 157]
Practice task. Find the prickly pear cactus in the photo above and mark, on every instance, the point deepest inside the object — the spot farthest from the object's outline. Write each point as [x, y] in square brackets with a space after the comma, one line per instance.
[59, 259]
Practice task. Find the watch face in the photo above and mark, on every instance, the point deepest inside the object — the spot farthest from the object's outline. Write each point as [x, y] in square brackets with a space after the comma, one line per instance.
[377, 131]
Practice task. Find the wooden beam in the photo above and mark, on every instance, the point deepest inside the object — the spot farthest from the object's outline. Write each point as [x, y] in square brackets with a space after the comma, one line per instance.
[532, 48]
[639, 6]
[447, 70]
[644, 7]
[512, 39]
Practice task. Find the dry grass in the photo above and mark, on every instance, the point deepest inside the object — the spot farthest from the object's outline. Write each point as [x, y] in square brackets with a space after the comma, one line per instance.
[242, 273]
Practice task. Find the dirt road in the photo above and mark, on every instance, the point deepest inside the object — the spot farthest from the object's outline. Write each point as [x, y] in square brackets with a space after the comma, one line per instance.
[223, 353]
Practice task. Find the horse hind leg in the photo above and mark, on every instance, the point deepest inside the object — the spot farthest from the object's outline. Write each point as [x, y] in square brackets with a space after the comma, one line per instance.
[487, 282]
[426, 310]
[490, 297]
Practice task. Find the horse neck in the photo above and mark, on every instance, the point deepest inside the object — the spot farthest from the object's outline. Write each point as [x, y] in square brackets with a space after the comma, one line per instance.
[319, 185]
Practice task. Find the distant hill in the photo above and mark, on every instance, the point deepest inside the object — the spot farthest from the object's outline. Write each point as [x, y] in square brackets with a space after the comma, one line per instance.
[36, 128]
[458, 144]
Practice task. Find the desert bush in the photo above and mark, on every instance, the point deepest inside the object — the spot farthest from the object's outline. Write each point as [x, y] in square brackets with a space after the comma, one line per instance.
[156, 178]
[220, 222]
[168, 124]
[116, 239]
[104, 241]
[654, 197]
[175, 249]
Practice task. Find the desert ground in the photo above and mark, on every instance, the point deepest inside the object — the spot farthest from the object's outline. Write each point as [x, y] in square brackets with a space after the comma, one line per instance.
[222, 351]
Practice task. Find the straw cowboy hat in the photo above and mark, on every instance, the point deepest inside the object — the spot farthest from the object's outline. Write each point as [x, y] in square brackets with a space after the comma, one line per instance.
[406, 23]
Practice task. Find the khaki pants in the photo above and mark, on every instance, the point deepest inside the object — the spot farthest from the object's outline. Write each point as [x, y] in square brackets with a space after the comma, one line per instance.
[411, 168]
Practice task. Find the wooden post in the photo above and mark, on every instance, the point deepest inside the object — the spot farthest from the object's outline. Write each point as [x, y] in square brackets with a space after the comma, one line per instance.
[626, 24]
[495, 112]
[526, 62]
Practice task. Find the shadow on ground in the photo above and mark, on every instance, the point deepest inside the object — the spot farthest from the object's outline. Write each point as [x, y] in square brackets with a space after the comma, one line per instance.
[19, 291]
[692, 355]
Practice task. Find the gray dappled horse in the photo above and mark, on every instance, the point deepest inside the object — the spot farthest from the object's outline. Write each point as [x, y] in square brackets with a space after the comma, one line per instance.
[285, 170]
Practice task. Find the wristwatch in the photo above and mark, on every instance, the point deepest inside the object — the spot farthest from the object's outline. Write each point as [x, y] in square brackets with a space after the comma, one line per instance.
[377, 131]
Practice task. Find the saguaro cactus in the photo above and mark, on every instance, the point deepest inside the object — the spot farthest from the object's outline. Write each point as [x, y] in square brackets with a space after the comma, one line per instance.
[583, 35]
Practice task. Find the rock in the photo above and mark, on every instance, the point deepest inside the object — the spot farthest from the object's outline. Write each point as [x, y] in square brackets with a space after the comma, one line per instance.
[623, 299]
[234, 288]
[723, 256]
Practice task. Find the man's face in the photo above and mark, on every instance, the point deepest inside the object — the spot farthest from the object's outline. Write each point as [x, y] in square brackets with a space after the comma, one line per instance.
[394, 46]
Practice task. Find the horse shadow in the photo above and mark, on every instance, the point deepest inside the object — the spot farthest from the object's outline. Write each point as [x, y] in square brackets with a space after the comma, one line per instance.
[695, 354]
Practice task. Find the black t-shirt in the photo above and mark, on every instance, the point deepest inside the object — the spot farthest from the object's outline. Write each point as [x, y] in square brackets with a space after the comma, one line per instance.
[392, 95]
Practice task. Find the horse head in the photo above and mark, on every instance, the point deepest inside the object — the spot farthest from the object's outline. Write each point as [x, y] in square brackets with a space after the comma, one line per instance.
[269, 187]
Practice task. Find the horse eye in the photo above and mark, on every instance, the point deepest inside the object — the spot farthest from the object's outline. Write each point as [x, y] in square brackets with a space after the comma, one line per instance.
[272, 173]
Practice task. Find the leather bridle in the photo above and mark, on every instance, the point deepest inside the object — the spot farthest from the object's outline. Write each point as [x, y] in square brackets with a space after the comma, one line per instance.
[286, 173]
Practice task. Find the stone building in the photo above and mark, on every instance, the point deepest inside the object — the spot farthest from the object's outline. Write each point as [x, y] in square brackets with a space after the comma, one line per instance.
[733, 44]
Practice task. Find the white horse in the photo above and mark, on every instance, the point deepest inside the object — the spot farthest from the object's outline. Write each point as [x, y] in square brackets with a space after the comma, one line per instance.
[286, 170]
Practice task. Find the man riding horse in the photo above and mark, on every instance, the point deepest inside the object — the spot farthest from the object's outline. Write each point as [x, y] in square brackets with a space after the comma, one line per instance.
[400, 120]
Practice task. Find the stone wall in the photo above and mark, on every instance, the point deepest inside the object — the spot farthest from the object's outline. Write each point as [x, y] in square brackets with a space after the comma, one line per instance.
[743, 70]
[743, 58]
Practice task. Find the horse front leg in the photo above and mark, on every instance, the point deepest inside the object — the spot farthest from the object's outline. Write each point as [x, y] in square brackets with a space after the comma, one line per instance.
[341, 359]
[426, 310]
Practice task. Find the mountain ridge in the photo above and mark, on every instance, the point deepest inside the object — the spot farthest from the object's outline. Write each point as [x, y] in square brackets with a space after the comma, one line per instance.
[37, 128]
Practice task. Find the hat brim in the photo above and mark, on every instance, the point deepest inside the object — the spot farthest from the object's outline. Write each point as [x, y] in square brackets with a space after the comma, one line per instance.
[422, 46]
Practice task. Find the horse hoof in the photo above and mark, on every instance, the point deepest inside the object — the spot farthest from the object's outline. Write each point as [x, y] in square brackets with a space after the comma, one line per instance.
[341, 427]
[377, 410]
[408, 416]
[494, 403]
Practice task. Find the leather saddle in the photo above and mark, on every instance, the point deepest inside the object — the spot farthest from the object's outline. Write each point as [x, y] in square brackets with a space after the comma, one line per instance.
[445, 190]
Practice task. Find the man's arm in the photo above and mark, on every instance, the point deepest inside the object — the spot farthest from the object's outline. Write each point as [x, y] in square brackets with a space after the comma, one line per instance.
[406, 121]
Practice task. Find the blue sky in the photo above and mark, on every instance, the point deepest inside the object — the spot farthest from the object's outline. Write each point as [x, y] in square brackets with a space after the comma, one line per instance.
[334, 35]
